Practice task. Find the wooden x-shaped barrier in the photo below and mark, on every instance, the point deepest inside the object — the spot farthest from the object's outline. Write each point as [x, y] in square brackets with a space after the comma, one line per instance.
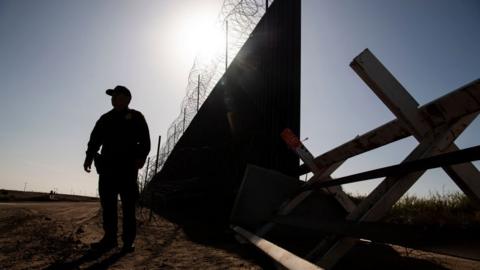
[435, 125]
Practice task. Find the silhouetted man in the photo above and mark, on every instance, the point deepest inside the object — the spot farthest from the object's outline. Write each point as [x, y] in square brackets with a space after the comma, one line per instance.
[123, 135]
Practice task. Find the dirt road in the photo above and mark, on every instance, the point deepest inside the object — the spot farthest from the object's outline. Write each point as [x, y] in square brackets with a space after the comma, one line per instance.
[57, 235]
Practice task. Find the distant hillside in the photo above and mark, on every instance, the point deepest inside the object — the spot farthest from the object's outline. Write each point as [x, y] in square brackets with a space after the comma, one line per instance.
[16, 196]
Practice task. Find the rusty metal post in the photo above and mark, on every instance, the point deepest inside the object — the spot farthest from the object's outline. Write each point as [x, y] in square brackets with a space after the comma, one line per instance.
[158, 152]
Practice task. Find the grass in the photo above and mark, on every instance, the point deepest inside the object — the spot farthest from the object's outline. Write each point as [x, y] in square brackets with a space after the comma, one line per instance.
[440, 209]
[449, 209]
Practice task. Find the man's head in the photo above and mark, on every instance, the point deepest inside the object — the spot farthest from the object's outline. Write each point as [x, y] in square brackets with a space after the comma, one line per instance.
[121, 97]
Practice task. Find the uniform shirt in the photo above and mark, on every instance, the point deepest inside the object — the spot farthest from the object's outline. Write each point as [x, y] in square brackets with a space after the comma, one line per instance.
[124, 138]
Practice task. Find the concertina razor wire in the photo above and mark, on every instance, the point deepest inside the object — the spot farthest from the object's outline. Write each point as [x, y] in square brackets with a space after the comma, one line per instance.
[236, 21]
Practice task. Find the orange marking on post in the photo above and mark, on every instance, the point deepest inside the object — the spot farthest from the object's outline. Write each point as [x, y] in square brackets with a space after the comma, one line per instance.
[291, 139]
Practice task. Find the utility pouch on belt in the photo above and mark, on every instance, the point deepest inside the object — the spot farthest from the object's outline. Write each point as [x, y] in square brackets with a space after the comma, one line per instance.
[99, 162]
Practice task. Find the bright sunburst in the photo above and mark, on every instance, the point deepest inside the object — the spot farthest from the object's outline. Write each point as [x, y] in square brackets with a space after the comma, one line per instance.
[200, 35]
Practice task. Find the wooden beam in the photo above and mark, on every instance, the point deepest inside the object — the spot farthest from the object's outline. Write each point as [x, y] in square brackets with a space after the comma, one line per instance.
[425, 237]
[399, 101]
[324, 173]
[390, 91]
[447, 108]
[466, 177]
[440, 111]
[432, 140]
[319, 173]
[292, 202]
[282, 256]
[446, 159]
[382, 198]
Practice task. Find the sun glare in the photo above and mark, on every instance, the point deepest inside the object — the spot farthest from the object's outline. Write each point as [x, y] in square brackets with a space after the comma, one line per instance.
[202, 37]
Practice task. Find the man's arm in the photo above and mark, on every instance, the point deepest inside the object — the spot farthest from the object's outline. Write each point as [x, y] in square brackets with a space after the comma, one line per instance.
[143, 142]
[96, 140]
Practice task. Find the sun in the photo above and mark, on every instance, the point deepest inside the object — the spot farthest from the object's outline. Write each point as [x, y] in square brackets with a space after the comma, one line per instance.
[203, 37]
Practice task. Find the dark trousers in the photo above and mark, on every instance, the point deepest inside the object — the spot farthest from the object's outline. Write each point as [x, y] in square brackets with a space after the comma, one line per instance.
[109, 187]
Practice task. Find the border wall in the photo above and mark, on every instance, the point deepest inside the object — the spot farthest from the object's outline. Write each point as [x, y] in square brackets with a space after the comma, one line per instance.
[238, 124]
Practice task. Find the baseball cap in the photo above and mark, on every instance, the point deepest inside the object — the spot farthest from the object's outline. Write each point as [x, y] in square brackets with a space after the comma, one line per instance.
[119, 89]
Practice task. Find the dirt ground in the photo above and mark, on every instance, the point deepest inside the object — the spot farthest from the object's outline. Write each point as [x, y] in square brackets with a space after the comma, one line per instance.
[56, 235]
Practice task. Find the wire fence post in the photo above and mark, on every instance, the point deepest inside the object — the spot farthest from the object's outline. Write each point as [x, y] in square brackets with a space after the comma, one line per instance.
[226, 45]
[146, 171]
[175, 134]
[168, 145]
[184, 113]
[198, 92]
[158, 152]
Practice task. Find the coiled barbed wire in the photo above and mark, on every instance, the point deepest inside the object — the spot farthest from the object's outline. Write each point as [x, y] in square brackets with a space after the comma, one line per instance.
[241, 16]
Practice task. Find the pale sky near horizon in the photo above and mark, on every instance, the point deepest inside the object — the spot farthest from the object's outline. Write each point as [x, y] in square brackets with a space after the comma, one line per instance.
[58, 57]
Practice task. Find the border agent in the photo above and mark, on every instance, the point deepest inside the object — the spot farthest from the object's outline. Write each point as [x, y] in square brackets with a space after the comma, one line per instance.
[123, 135]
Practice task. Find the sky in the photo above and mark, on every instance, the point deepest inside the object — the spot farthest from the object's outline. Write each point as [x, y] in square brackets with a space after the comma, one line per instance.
[57, 57]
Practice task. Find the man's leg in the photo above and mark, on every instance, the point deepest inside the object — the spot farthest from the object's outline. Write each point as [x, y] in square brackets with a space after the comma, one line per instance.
[129, 196]
[108, 200]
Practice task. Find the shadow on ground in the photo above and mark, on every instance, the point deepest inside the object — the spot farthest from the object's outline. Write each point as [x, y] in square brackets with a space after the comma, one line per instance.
[103, 260]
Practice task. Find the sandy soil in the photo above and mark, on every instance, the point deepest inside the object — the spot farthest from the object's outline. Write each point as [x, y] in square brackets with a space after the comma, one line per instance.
[446, 261]
[32, 196]
[57, 235]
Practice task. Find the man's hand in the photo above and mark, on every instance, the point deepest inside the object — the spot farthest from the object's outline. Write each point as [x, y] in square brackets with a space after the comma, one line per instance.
[87, 165]
[139, 163]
